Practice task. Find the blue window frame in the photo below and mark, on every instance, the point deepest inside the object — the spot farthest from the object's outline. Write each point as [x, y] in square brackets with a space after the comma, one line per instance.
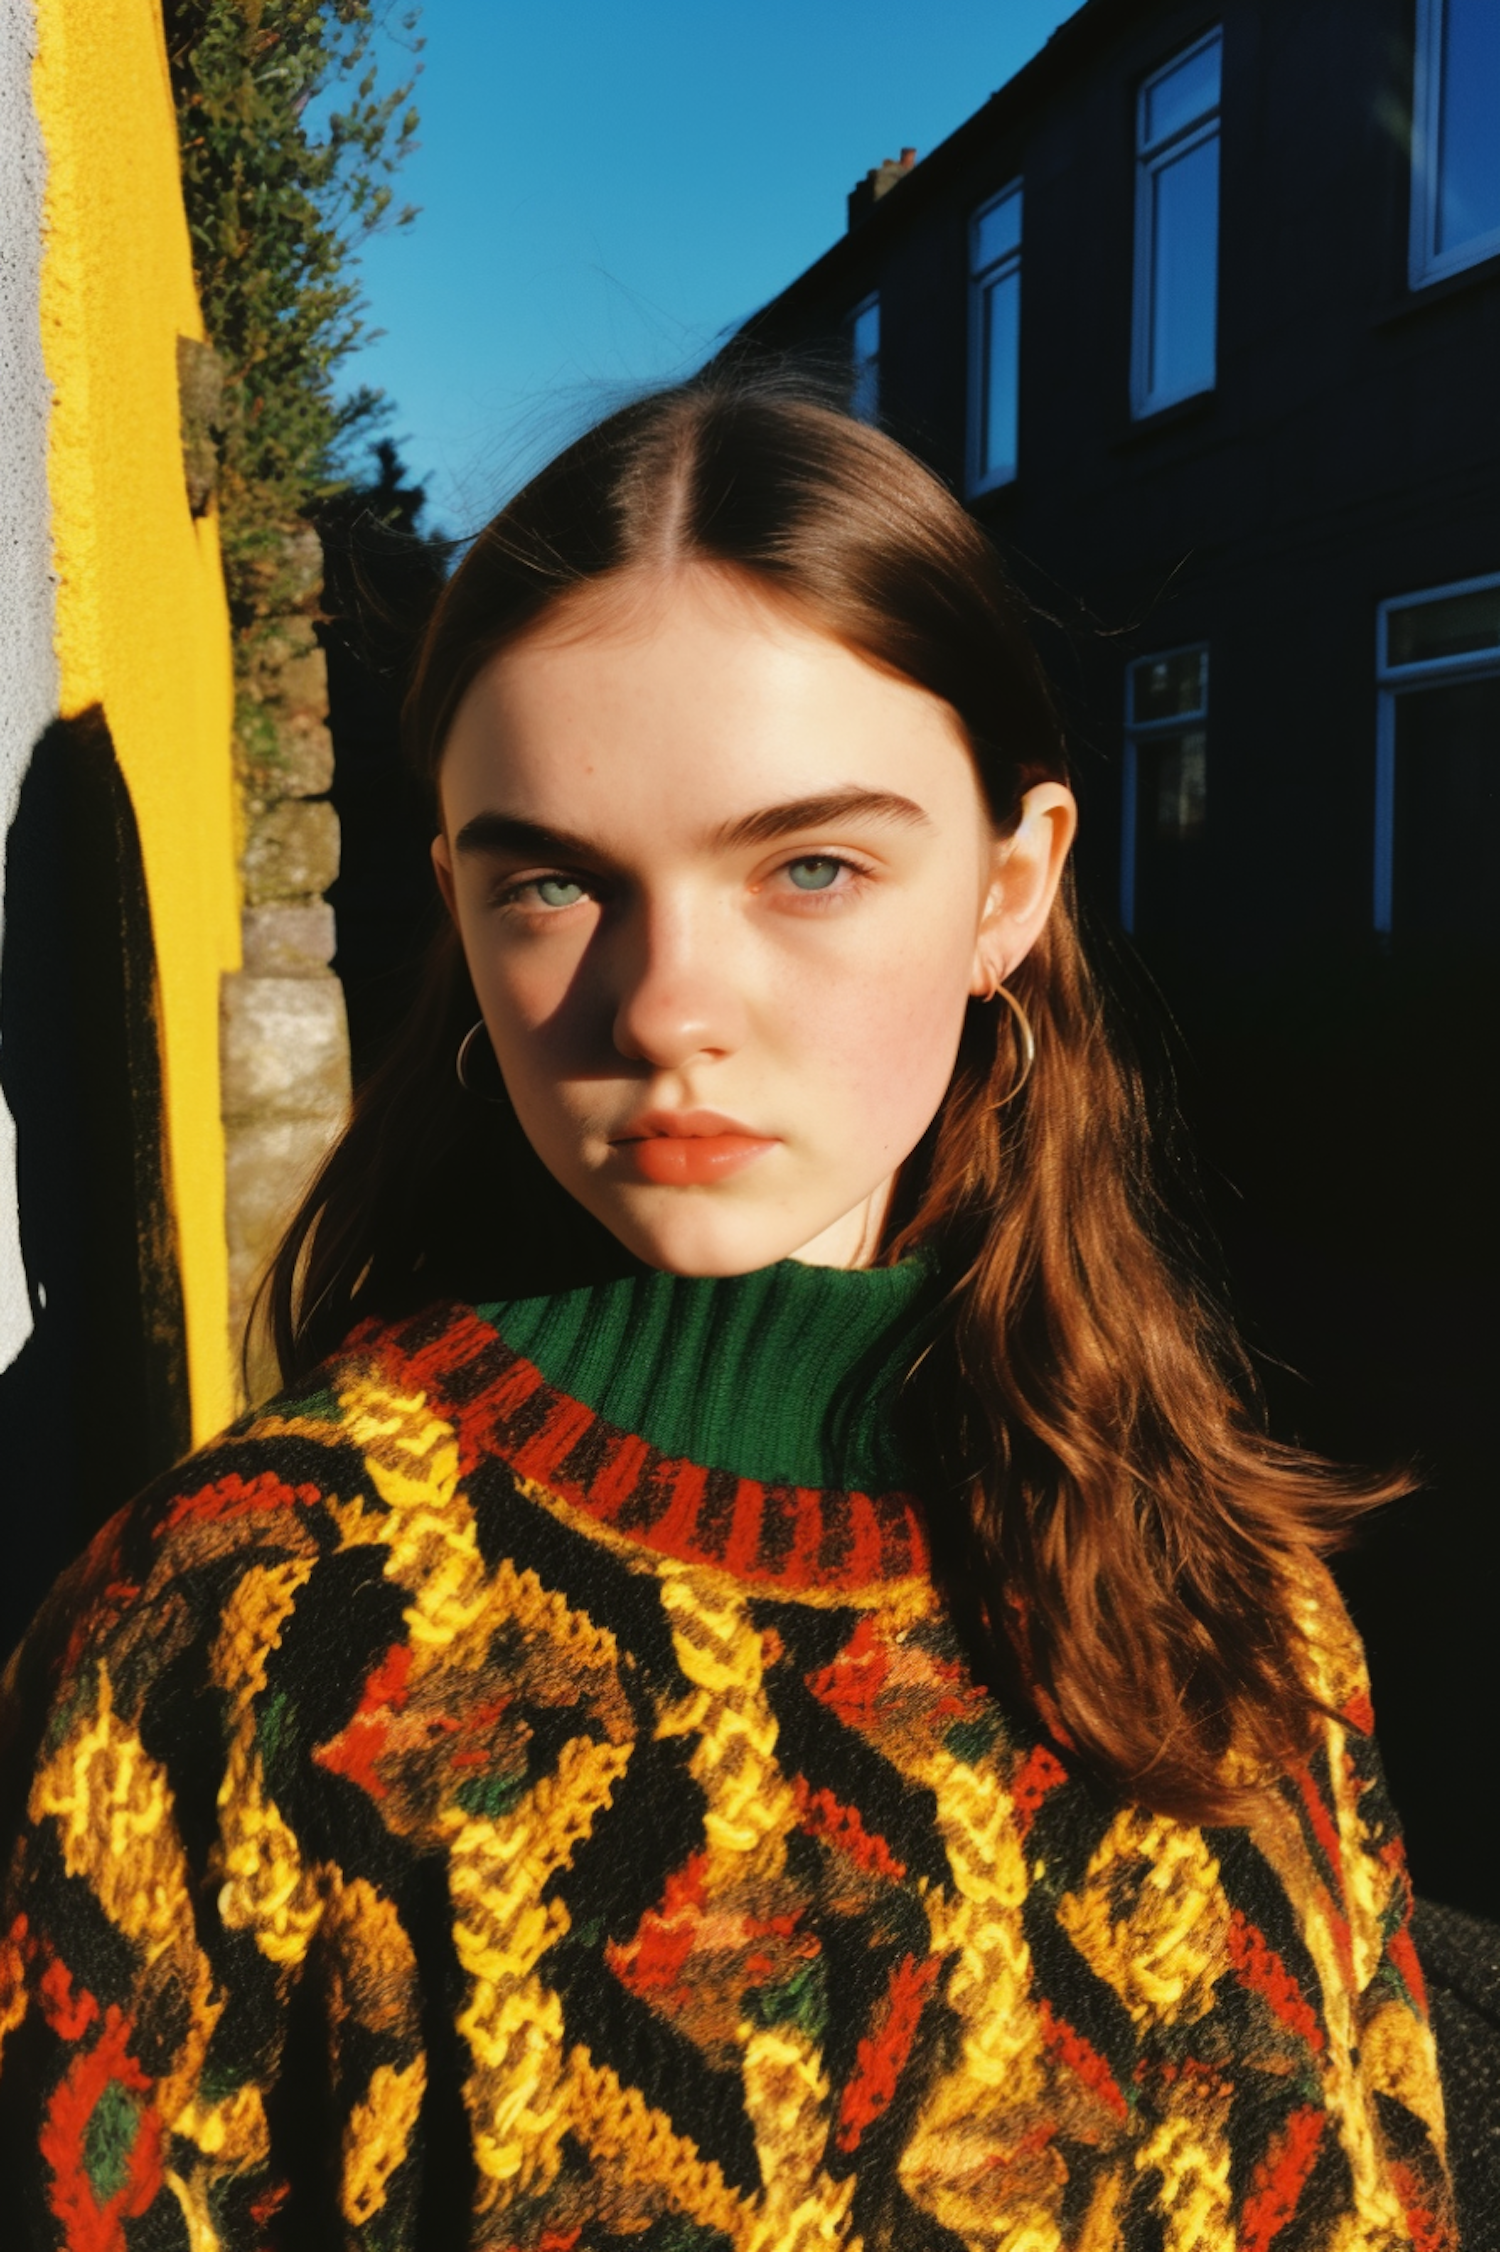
[1165, 786]
[1177, 228]
[1437, 762]
[1455, 156]
[994, 339]
[863, 327]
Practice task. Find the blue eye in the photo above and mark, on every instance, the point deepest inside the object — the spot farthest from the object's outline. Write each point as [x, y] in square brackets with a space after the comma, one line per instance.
[813, 875]
[558, 891]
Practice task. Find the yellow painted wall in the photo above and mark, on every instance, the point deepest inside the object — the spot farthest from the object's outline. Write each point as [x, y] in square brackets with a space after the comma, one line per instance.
[141, 622]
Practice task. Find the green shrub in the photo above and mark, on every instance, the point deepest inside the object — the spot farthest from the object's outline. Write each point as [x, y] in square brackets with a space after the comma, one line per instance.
[288, 147]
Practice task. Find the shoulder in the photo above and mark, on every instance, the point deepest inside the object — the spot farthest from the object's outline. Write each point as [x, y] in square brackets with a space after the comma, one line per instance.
[189, 1576]
[1333, 1655]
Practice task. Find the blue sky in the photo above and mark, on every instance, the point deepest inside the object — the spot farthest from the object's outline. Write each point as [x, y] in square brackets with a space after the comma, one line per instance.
[606, 188]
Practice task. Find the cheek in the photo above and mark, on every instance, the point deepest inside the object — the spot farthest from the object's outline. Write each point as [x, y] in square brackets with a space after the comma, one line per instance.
[521, 988]
[883, 1048]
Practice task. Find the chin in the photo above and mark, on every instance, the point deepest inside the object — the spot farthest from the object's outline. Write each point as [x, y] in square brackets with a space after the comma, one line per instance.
[704, 1242]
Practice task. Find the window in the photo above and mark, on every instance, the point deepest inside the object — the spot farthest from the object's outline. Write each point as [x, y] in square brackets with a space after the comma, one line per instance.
[1166, 777]
[994, 339]
[864, 358]
[1455, 153]
[1437, 762]
[1176, 229]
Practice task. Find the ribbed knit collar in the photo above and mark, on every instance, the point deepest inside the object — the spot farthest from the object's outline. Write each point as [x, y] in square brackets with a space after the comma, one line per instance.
[785, 1376]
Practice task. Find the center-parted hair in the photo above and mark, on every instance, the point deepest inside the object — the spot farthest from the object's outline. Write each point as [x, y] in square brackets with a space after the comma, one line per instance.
[1124, 1545]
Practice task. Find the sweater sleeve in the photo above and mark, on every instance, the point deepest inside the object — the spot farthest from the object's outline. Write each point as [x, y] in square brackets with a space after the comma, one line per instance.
[1341, 1858]
[158, 1907]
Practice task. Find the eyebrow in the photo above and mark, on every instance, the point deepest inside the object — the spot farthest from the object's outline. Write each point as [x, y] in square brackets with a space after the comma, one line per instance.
[773, 821]
[528, 840]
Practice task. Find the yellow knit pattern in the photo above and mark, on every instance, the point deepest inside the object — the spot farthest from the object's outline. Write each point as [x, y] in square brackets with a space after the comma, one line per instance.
[267, 1890]
[750, 1811]
[948, 2163]
[786, 2096]
[517, 2093]
[111, 1804]
[517, 2096]
[1150, 1917]
[377, 2137]
[1190, 2150]
[639, 2146]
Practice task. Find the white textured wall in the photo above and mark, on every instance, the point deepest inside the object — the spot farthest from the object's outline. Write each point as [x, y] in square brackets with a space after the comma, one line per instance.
[28, 672]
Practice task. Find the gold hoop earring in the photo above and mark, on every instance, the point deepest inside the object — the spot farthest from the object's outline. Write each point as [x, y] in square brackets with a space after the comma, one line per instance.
[1024, 1033]
[461, 1066]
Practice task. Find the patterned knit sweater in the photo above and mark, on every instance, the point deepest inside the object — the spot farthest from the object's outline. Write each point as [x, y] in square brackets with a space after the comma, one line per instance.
[520, 1789]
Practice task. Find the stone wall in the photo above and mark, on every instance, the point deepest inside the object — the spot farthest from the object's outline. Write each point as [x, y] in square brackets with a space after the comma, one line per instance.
[285, 1045]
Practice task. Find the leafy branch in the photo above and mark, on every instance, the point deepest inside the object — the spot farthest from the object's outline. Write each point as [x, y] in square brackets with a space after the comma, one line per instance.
[289, 145]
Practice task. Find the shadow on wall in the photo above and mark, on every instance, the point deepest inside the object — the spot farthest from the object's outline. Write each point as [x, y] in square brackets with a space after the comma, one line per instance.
[97, 1401]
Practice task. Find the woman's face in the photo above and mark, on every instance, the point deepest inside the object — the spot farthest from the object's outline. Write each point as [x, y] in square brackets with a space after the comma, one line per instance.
[724, 889]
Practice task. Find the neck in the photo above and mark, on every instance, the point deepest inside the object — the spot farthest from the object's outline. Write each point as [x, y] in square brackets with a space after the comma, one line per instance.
[851, 1242]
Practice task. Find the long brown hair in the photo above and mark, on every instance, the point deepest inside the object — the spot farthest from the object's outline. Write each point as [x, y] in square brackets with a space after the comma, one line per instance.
[1123, 1542]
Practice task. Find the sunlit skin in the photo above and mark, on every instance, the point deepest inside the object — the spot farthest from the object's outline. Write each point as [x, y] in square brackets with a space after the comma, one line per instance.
[725, 889]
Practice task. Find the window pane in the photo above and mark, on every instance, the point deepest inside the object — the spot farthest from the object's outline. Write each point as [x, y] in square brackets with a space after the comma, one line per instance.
[1170, 860]
[1184, 273]
[864, 342]
[1002, 339]
[866, 331]
[1169, 687]
[1181, 96]
[1448, 811]
[997, 231]
[1469, 152]
[1450, 628]
[1179, 779]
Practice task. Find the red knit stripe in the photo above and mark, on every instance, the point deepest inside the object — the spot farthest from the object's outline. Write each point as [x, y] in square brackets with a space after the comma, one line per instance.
[673, 1531]
[566, 1421]
[1081, 2057]
[461, 1340]
[866, 1545]
[234, 1496]
[742, 1549]
[905, 1542]
[1428, 2232]
[618, 1480]
[824, 1816]
[882, 2054]
[88, 2225]
[1039, 1773]
[1404, 1955]
[1279, 2179]
[1321, 1820]
[801, 1566]
[510, 1392]
[866, 1537]
[1258, 1967]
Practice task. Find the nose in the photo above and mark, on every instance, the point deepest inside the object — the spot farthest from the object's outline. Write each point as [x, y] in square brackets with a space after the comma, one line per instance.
[676, 996]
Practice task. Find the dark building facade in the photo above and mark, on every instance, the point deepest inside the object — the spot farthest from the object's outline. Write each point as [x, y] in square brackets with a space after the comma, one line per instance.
[1201, 312]
[1201, 315]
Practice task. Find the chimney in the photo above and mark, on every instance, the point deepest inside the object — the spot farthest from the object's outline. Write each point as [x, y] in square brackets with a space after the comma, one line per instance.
[864, 196]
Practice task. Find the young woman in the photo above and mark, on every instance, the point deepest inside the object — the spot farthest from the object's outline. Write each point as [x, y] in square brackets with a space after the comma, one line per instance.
[761, 1685]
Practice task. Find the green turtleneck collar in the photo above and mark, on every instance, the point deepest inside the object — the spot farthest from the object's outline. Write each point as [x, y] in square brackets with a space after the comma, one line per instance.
[786, 1375]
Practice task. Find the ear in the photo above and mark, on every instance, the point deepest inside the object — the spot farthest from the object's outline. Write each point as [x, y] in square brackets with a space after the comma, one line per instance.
[442, 868]
[1026, 872]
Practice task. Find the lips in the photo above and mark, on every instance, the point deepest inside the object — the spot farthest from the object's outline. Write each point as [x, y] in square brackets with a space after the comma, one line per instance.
[685, 1148]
